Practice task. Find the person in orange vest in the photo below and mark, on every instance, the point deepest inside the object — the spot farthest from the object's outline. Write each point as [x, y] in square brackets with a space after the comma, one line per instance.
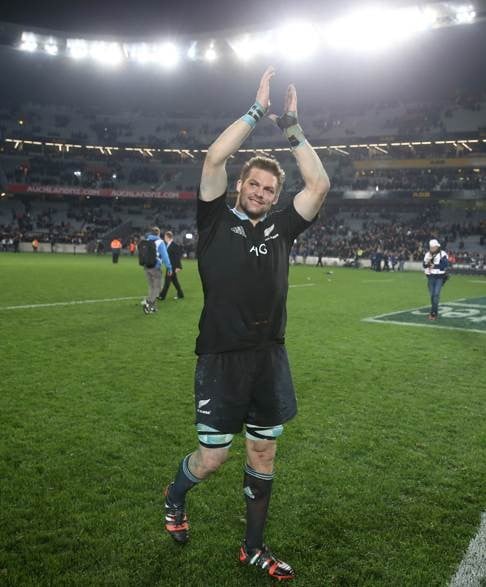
[35, 245]
[116, 247]
[132, 247]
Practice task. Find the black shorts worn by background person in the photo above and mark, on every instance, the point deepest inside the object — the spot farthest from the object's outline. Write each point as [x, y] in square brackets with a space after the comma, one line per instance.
[244, 387]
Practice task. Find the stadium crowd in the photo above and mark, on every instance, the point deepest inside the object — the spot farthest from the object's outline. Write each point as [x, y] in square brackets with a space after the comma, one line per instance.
[432, 117]
[345, 233]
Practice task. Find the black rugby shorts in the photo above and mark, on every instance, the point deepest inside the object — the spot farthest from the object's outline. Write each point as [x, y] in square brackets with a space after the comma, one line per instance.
[244, 387]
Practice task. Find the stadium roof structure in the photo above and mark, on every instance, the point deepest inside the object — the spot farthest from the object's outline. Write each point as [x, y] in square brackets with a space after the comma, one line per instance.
[368, 29]
[391, 147]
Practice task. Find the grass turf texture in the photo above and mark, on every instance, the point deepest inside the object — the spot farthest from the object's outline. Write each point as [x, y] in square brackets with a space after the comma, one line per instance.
[380, 479]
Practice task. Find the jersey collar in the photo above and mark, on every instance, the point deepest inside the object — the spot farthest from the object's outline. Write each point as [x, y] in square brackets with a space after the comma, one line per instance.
[243, 216]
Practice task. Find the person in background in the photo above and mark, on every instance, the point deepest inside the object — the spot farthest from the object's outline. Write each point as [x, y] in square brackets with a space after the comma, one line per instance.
[116, 247]
[153, 273]
[175, 256]
[435, 265]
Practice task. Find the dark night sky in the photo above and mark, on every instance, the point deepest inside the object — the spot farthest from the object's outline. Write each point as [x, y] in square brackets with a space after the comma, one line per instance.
[142, 17]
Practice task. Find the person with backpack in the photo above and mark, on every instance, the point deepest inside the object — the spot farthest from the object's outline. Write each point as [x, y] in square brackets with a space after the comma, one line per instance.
[152, 252]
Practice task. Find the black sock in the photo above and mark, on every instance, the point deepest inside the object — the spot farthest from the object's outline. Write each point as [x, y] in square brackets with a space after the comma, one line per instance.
[184, 481]
[258, 489]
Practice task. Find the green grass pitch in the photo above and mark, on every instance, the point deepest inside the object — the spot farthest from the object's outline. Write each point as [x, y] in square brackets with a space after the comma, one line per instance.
[380, 480]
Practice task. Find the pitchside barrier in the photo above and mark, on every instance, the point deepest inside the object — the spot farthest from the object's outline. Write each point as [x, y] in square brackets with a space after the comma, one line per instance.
[58, 248]
[26, 247]
[366, 264]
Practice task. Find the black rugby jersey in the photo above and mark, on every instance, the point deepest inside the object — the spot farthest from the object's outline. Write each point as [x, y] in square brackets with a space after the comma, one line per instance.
[244, 273]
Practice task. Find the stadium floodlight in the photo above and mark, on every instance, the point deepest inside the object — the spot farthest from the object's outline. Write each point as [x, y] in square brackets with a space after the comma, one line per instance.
[297, 40]
[465, 14]
[50, 47]
[167, 54]
[107, 53]
[140, 52]
[28, 42]
[77, 48]
[375, 29]
[247, 46]
[192, 51]
[244, 48]
[210, 53]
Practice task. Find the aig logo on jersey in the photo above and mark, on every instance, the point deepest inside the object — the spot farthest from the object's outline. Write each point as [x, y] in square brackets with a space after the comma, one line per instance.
[259, 249]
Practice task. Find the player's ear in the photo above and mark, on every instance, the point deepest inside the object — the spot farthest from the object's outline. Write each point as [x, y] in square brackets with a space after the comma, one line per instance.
[238, 186]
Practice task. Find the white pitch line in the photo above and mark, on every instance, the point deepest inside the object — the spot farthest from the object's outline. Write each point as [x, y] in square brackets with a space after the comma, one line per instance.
[464, 304]
[100, 301]
[432, 326]
[394, 313]
[413, 310]
[302, 285]
[73, 303]
[472, 570]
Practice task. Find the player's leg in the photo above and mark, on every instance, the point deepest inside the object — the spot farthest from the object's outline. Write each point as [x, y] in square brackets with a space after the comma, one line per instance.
[218, 381]
[257, 485]
[273, 404]
[193, 469]
[261, 447]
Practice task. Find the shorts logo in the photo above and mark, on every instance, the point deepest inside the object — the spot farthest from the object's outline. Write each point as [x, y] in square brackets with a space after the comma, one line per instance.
[201, 403]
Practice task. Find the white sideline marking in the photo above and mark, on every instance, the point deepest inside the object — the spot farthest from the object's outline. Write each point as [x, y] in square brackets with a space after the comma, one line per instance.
[73, 303]
[472, 570]
[101, 301]
[428, 325]
[302, 285]
[480, 306]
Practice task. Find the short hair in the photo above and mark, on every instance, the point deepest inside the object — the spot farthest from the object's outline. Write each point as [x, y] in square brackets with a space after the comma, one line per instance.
[155, 230]
[169, 234]
[267, 164]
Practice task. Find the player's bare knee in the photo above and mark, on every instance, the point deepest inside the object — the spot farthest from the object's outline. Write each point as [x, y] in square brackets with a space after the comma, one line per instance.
[209, 460]
[261, 454]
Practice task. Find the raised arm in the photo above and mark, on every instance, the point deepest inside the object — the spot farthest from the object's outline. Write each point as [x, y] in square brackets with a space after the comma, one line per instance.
[309, 201]
[214, 180]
